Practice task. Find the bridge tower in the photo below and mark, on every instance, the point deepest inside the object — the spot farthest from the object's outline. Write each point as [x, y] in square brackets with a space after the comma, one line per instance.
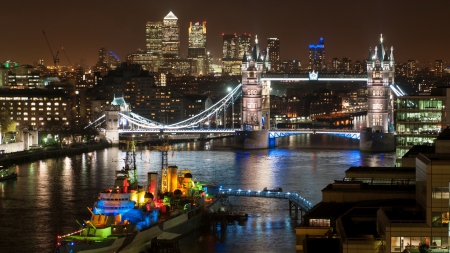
[378, 136]
[254, 131]
[112, 123]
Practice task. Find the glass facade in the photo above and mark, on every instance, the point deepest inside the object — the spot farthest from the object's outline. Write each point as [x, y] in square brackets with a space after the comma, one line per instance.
[418, 121]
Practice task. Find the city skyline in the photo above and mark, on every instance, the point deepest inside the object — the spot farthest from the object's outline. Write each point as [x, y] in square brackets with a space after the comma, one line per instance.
[416, 30]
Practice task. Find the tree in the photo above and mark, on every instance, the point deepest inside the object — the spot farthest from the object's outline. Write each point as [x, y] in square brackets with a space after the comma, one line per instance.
[6, 123]
[59, 129]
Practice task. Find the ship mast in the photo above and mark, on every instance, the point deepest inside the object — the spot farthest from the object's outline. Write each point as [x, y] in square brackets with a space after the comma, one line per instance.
[165, 148]
[130, 162]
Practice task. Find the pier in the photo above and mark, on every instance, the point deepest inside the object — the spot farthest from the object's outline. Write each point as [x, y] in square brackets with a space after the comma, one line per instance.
[296, 202]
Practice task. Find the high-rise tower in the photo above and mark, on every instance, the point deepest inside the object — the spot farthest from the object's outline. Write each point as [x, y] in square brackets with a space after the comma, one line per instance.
[273, 46]
[244, 42]
[379, 134]
[170, 37]
[317, 56]
[197, 48]
[153, 39]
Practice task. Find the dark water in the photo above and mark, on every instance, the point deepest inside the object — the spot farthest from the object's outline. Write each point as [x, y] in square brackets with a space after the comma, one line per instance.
[49, 195]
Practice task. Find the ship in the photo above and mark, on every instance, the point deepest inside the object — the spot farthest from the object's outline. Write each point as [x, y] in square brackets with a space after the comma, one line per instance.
[131, 218]
[7, 173]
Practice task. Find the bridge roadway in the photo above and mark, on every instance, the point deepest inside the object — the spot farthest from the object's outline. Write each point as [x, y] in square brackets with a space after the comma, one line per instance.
[293, 197]
[273, 133]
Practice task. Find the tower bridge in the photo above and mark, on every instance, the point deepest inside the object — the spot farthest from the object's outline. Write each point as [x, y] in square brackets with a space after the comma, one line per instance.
[254, 92]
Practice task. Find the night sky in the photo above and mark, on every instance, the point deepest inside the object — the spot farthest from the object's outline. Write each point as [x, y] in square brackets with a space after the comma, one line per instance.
[417, 29]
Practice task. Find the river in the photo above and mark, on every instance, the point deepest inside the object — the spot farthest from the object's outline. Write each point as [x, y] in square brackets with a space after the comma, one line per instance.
[49, 195]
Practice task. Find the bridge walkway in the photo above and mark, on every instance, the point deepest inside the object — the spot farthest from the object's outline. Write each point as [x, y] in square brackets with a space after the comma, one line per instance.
[295, 200]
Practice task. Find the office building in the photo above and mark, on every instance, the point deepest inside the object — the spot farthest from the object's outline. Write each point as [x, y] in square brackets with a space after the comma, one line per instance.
[153, 45]
[244, 41]
[170, 47]
[231, 64]
[153, 37]
[438, 68]
[420, 119]
[384, 209]
[411, 69]
[317, 56]
[197, 48]
[230, 46]
[107, 60]
[36, 107]
[273, 47]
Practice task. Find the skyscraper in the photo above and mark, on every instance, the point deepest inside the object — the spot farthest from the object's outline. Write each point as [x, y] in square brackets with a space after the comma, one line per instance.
[273, 46]
[197, 48]
[411, 69]
[230, 52]
[317, 56]
[230, 46]
[153, 37]
[438, 68]
[170, 37]
[244, 44]
[154, 44]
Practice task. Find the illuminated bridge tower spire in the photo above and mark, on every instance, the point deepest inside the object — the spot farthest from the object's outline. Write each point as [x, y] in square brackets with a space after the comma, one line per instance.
[379, 134]
[380, 74]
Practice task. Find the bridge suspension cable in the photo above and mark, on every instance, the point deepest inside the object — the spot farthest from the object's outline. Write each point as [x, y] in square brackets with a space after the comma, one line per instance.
[93, 122]
[140, 121]
[218, 107]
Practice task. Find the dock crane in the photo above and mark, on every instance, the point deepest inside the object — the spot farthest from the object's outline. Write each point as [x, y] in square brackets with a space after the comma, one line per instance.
[55, 57]
[62, 48]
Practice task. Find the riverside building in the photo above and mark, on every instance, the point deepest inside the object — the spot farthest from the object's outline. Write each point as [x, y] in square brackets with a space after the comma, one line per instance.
[373, 209]
[420, 119]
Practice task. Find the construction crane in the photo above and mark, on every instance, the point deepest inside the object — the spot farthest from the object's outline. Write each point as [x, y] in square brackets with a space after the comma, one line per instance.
[55, 57]
[62, 48]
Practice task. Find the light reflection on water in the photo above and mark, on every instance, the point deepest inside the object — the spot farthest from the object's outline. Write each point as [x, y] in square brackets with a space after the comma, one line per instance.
[49, 195]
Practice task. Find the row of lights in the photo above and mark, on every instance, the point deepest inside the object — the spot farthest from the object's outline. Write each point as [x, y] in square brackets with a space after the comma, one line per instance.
[288, 193]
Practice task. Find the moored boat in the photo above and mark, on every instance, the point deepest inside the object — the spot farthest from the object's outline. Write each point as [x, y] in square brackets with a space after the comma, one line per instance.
[277, 189]
[242, 215]
[7, 173]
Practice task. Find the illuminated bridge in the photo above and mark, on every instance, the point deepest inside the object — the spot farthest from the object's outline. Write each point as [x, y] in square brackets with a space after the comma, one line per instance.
[193, 125]
[295, 201]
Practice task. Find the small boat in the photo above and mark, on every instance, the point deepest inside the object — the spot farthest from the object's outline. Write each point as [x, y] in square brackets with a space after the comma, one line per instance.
[278, 189]
[242, 215]
[231, 216]
[7, 173]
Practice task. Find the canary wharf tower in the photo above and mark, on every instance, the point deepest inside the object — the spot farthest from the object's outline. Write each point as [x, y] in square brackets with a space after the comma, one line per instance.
[379, 136]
